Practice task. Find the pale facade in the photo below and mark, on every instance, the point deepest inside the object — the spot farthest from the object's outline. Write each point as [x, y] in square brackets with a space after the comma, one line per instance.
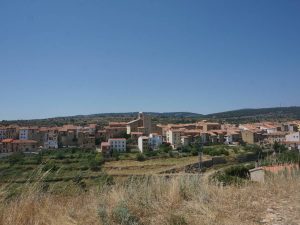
[143, 143]
[173, 137]
[117, 144]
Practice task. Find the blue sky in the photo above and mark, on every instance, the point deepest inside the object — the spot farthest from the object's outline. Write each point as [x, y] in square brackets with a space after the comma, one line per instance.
[69, 57]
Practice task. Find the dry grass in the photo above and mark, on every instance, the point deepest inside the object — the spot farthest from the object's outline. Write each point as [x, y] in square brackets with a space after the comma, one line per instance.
[154, 200]
[131, 167]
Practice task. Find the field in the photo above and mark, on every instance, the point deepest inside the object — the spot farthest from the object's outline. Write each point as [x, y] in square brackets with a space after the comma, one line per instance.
[75, 186]
[72, 169]
[155, 200]
[130, 167]
[65, 164]
[78, 169]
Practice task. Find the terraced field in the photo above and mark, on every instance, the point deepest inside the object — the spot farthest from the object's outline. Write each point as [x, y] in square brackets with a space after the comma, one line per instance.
[132, 167]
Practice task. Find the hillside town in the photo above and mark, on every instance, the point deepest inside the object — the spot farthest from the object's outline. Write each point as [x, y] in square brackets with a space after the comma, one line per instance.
[144, 135]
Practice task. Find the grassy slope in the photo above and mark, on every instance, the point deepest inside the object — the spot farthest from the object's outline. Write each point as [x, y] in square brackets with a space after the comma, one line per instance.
[174, 201]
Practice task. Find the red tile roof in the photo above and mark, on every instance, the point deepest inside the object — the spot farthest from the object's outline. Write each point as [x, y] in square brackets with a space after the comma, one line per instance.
[24, 142]
[7, 140]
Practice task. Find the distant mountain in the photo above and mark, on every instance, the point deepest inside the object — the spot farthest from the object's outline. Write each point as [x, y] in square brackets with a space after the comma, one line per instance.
[176, 114]
[234, 116]
[134, 114]
[259, 114]
[104, 118]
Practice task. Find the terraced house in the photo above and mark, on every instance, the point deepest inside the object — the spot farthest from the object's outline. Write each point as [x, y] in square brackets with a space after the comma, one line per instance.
[10, 146]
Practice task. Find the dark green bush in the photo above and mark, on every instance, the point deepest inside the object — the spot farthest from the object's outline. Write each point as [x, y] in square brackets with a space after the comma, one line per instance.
[232, 175]
[238, 171]
[140, 157]
[60, 155]
[50, 166]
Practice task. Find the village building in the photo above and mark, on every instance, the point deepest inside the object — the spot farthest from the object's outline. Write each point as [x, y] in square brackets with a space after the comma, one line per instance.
[271, 138]
[186, 140]
[105, 148]
[155, 140]
[117, 144]
[174, 137]
[67, 136]
[149, 143]
[12, 132]
[24, 146]
[11, 145]
[50, 137]
[141, 124]
[2, 133]
[85, 140]
[252, 136]
[7, 145]
[143, 144]
[135, 135]
[232, 137]
[208, 126]
[292, 140]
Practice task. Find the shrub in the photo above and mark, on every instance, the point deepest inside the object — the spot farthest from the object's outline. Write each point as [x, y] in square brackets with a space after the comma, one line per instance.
[102, 212]
[279, 148]
[60, 155]
[94, 165]
[232, 175]
[215, 151]
[50, 166]
[83, 168]
[105, 179]
[78, 180]
[165, 147]
[288, 157]
[177, 220]
[140, 157]
[151, 153]
[122, 215]
[194, 152]
[238, 171]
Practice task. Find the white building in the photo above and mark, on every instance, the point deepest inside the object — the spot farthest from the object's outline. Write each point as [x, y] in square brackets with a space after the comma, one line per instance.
[173, 137]
[23, 133]
[293, 140]
[149, 143]
[155, 141]
[269, 128]
[117, 144]
[293, 137]
[143, 143]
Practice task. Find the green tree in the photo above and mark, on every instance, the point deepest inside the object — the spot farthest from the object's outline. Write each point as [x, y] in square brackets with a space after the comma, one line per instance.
[279, 148]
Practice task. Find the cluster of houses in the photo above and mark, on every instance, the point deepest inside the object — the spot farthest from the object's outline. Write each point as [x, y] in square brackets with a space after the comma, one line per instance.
[147, 136]
[14, 138]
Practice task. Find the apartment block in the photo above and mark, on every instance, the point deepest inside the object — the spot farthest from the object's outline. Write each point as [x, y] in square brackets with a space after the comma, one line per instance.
[117, 144]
